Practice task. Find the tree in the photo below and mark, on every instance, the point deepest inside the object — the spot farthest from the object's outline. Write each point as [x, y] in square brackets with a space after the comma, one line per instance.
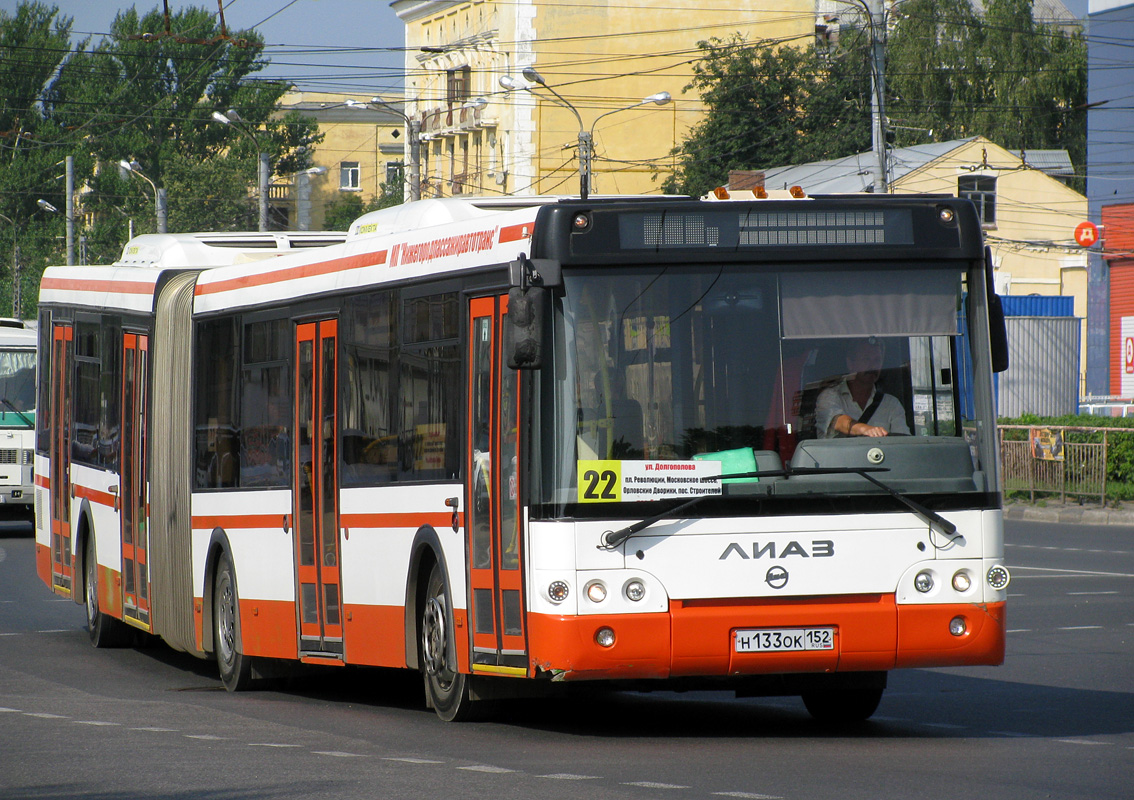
[767, 107]
[151, 99]
[1003, 76]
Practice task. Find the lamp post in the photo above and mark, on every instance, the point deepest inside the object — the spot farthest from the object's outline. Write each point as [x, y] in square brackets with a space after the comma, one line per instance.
[586, 135]
[159, 194]
[230, 117]
[413, 133]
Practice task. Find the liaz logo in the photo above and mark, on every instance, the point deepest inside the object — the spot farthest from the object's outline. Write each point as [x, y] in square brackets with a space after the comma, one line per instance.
[817, 548]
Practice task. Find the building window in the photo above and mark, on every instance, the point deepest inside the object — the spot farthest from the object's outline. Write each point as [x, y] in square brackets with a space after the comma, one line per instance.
[457, 90]
[981, 189]
[349, 177]
[394, 172]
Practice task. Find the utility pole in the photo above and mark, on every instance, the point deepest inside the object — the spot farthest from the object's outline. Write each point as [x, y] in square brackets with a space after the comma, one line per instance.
[70, 208]
[877, 21]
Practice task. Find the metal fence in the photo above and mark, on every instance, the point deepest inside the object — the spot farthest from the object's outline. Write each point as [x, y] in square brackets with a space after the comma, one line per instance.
[1077, 469]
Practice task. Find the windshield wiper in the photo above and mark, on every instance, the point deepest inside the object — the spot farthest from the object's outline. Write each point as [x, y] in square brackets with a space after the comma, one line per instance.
[611, 539]
[23, 416]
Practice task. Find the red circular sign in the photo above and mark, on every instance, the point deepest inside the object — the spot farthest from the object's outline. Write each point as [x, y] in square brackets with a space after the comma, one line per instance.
[1086, 234]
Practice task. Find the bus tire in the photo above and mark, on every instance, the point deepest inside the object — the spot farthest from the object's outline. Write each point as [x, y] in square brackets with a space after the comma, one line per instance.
[446, 690]
[843, 707]
[103, 629]
[235, 668]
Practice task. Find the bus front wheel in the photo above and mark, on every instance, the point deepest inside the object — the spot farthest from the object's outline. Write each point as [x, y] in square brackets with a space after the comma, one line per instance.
[846, 707]
[446, 690]
[235, 667]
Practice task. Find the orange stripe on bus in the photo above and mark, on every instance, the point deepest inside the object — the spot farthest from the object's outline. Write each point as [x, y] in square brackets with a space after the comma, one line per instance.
[238, 521]
[514, 233]
[440, 519]
[43, 481]
[305, 271]
[89, 285]
[95, 496]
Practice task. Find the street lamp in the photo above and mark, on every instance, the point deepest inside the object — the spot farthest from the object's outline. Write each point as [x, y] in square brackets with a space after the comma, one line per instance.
[230, 117]
[159, 194]
[586, 135]
[413, 130]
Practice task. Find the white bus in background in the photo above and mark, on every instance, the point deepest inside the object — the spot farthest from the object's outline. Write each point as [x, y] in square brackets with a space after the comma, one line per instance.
[17, 413]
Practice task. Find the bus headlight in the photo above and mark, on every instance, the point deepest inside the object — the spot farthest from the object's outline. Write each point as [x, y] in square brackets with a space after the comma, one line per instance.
[604, 637]
[923, 582]
[961, 581]
[635, 590]
[958, 626]
[557, 591]
[596, 591]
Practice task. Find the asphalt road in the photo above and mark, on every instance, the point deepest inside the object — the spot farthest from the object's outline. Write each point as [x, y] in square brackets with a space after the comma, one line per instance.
[1056, 721]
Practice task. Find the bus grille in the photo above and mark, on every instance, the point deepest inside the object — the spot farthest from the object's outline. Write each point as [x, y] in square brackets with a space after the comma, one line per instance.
[9, 456]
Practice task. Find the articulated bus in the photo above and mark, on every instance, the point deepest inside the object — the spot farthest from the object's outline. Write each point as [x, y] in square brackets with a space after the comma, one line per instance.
[17, 414]
[522, 443]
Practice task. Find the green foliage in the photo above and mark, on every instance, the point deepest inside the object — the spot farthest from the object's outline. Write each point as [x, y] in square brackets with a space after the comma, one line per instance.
[767, 107]
[1119, 450]
[346, 209]
[134, 97]
[1002, 76]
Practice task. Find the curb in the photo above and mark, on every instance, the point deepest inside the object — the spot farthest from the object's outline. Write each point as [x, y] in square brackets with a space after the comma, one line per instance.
[1070, 515]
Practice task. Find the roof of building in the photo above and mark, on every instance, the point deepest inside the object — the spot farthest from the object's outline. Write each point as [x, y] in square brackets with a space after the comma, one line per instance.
[855, 173]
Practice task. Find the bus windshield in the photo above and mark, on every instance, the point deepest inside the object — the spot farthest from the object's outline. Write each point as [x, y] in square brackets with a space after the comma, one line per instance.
[17, 388]
[676, 362]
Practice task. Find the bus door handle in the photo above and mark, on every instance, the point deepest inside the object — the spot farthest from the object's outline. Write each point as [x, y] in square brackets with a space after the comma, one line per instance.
[454, 503]
[114, 491]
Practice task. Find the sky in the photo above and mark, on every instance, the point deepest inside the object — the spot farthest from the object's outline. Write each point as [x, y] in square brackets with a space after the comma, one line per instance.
[349, 46]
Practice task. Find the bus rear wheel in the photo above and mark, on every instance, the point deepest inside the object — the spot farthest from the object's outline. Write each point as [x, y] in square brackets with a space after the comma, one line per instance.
[446, 690]
[235, 667]
[103, 630]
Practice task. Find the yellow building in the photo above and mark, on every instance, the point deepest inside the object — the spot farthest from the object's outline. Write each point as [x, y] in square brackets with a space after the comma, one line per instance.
[1029, 214]
[362, 148]
[480, 138]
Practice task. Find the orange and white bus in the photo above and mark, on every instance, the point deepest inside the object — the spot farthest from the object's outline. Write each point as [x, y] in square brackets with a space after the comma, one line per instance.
[521, 442]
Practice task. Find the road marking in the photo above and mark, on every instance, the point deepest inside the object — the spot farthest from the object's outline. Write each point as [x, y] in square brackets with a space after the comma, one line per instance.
[157, 730]
[9, 710]
[487, 768]
[208, 737]
[1065, 573]
[567, 776]
[412, 760]
[58, 630]
[1019, 630]
[1084, 741]
[44, 715]
[1087, 594]
[96, 723]
[652, 785]
[1080, 628]
[748, 795]
[337, 754]
[270, 744]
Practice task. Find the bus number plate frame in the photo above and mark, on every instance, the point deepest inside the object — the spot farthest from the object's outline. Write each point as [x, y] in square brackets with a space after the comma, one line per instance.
[783, 640]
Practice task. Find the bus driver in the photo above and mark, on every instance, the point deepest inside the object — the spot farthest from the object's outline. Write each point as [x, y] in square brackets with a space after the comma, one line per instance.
[854, 407]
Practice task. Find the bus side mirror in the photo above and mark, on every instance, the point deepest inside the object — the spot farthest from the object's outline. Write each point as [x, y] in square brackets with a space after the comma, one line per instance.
[997, 328]
[526, 310]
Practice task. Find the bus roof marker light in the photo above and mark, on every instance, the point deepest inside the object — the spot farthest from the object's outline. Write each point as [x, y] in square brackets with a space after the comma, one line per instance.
[581, 222]
[797, 192]
[998, 577]
[946, 215]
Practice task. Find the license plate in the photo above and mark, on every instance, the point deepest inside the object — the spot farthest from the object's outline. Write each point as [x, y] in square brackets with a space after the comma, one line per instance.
[784, 640]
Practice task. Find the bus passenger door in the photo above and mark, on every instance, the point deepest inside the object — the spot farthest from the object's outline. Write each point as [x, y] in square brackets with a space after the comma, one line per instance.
[132, 488]
[316, 491]
[494, 520]
[63, 351]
